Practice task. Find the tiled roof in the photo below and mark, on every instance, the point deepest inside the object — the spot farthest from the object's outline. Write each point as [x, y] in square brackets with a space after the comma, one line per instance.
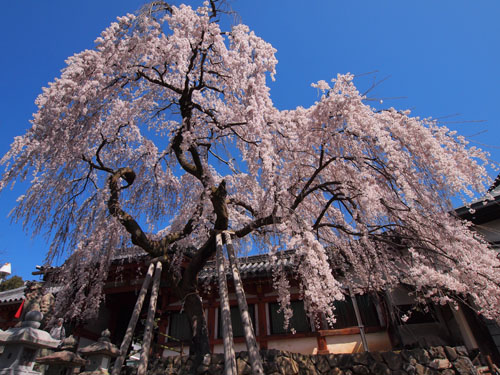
[249, 266]
[12, 295]
[129, 253]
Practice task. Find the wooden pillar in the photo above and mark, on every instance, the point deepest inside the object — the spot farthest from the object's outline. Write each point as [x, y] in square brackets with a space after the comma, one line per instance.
[359, 320]
[127, 339]
[163, 322]
[322, 346]
[465, 330]
[261, 311]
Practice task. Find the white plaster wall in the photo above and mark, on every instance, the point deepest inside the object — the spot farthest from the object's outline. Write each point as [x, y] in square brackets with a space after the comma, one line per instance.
[344, 344]
[170, 353]
[377, 341]
[304, 345]
[238, 347]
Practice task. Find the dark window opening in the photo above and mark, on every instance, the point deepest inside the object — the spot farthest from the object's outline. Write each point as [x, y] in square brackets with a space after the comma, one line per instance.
[411, 314]
[346, 317]
[236, 321]
[299, 321]
[179, 327]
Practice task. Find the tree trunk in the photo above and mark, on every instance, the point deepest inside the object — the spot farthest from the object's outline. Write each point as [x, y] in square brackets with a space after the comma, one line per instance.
[192, 305]
[199, 343]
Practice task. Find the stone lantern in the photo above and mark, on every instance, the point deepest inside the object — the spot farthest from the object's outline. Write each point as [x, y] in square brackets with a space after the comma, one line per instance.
[63, 362]
[22, 344]
[99, 354]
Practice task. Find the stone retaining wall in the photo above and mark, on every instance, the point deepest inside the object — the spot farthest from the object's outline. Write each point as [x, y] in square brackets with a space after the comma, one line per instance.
[436, 360]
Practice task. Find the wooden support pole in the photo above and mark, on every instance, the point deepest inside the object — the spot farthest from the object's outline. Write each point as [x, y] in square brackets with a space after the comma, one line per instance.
[464, 327]
[148, 330]
[127, 339]
[360, 321]
[253, 351]
[227, 329]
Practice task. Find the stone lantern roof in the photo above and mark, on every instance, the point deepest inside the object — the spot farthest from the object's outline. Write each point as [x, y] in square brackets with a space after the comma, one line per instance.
[103, 346]
[28, 333]
[66, 357]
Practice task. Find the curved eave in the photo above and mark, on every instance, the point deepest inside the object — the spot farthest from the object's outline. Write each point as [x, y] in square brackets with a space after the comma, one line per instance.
[12, 295]
[480, 212]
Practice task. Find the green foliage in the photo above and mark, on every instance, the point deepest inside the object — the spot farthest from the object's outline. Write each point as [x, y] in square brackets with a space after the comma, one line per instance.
[12, 283]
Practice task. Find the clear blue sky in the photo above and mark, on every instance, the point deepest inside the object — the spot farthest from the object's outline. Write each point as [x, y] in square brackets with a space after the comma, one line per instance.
[442, 57]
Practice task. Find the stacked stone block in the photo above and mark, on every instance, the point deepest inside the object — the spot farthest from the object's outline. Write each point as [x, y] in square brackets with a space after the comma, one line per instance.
[433, 361]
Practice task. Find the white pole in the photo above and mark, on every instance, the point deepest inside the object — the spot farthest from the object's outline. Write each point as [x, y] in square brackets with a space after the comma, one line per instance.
[227, 329]
[127, 339]
[148, 331]
[253, 352]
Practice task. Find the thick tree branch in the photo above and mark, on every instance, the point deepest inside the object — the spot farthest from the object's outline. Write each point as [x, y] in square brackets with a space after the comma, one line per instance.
[181, 157]
[323, 212]
[305, 190]
[256, 224]
[161, 82]
[155, 248]
[207, 250]
[139, 238]
[237, 202]
[219, 203]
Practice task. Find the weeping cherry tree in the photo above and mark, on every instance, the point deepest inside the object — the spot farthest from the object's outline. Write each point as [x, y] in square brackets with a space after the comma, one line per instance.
[165, 134]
